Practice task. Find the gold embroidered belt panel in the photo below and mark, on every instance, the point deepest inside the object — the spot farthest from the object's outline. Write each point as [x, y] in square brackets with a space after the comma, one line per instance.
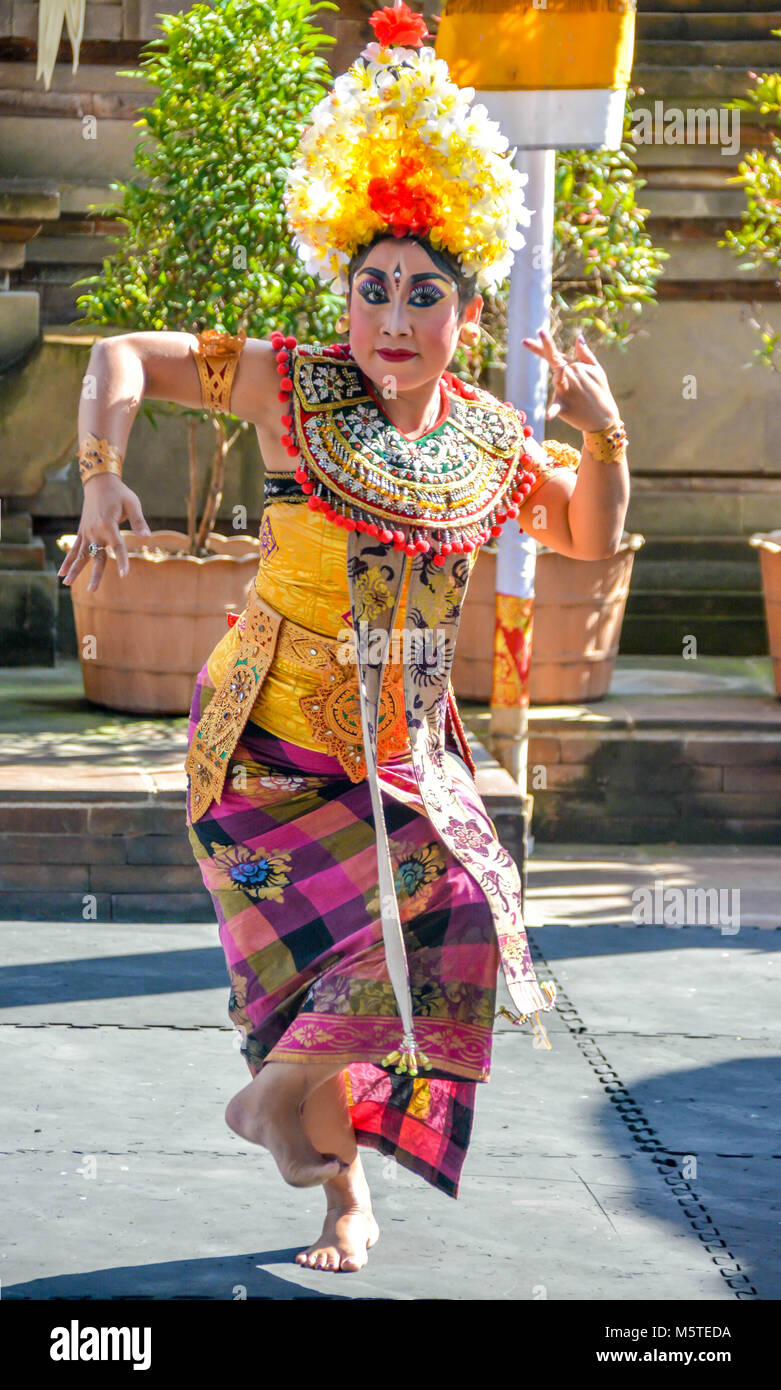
[332, 711]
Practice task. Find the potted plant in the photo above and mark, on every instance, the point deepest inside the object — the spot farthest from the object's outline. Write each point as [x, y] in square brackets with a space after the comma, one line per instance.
[206, 246]
[572, 631]
[758, 240]
[605, 268]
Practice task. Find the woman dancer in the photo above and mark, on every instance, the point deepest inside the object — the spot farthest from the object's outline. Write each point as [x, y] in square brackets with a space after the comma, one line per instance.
[363, 899]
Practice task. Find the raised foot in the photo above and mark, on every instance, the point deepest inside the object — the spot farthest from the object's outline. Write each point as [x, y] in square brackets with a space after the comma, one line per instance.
[279, 1129]
[346, 1237]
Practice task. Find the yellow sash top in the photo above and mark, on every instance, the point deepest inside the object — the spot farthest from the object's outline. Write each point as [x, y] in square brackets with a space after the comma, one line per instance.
[302, 573]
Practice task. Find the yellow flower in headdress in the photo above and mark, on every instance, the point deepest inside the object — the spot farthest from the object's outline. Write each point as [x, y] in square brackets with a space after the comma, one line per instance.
[396, 146]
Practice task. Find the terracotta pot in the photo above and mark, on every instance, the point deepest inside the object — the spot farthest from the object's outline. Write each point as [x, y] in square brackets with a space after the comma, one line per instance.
[769, 546]
[143, 639]
[578, 612]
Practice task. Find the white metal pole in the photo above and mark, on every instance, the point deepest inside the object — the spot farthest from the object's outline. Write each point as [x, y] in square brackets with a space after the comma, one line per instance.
[526, 386]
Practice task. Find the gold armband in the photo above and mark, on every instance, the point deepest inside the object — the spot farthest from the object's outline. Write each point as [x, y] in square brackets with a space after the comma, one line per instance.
[98, 456]
[216, 358]
[561, 455]
[608, 445]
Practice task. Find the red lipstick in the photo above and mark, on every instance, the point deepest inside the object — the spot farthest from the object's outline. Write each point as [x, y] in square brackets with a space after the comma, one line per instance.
[395, 354]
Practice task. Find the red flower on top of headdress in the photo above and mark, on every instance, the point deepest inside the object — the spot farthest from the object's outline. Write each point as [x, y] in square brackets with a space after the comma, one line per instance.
[404, 208]
[398, 24]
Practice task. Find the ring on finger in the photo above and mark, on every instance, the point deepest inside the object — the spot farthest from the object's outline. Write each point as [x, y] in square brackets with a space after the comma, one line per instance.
[92, 548]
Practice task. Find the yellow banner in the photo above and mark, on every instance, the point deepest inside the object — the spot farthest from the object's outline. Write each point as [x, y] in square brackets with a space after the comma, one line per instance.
[513, 45]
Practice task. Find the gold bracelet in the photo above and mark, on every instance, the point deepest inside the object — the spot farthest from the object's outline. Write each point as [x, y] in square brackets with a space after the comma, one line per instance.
[217, 357]
[607, 445]
[98, 456]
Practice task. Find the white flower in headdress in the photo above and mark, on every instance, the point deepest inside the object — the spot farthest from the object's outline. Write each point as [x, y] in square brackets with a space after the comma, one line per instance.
[397, 145]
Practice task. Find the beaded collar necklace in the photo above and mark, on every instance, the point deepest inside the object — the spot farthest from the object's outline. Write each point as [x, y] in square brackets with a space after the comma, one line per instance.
[448, 491]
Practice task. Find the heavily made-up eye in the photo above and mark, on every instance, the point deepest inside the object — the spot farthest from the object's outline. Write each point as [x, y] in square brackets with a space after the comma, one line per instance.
[425, 293]
[421, 295]
[373, 291]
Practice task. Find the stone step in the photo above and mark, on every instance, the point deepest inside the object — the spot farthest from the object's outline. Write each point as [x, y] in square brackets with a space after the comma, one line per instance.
[616, 779]
[126, 857]
[691, 83]
[724, 605]
[77, 248]
[88, 78]
[696, 565]
[708, 204]
[725, 623]
[689, 509]
[718, 786]
[702, 7]
[684, 750]
[693, 179]
[16, 526]
[760, 54]
[21, 555]
[655, 157]
[28, 617]
[104, 106]
[644, 635]
[53, 146]
[23, 199]
[708, 27]
[20, 321]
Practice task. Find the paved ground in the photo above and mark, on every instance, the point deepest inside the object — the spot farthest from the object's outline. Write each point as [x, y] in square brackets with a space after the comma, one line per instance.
[53, 738]
[637, 1159]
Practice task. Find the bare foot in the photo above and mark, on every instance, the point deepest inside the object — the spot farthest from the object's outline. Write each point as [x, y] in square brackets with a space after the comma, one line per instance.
[347, 1234]
[271, 1116]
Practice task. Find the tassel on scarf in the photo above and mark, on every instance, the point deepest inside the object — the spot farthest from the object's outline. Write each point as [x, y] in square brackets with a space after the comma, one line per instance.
[408, 1059]
[537, 1028]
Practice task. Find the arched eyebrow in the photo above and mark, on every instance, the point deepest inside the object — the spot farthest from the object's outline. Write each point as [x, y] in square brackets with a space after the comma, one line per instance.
[421, 275]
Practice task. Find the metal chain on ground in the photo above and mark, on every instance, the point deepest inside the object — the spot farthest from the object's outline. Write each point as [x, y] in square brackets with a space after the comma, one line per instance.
[645, 1136]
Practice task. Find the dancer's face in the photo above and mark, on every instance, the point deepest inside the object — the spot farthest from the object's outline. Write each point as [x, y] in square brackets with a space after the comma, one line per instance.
[401, 302]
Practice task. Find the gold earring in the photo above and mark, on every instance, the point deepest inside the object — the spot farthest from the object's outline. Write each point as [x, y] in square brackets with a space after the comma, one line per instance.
[343, 323]
[470, 335]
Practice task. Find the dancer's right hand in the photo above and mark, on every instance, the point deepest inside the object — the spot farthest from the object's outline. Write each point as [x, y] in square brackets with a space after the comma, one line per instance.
[107, 501]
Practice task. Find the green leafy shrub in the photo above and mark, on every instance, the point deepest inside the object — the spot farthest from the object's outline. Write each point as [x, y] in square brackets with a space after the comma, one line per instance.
[206, 243]
[758, 238]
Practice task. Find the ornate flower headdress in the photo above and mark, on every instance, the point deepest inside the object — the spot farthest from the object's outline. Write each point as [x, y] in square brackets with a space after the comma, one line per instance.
[397, 147]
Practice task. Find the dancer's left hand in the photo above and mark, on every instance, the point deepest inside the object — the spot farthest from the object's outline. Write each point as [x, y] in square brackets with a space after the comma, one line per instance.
[581, 394]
